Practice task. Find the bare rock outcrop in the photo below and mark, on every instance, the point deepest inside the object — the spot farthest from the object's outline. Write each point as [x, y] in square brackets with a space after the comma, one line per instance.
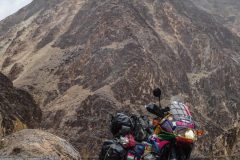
[36, 144]
[18, 110]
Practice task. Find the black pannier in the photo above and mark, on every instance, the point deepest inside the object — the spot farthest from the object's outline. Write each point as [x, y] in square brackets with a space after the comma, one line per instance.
[138, 126]
[120, 124]
[111, 150]
[141, 127]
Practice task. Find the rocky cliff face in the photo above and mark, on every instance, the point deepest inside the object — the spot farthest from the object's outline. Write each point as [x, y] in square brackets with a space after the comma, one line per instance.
[85, 59]
[18, 110]
[226, 11]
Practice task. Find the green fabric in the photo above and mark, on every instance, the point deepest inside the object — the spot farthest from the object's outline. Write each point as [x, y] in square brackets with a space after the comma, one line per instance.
[166, 136]
[130, 158]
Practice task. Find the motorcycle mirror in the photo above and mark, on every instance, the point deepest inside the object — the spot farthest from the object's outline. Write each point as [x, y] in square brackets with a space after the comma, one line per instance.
[200, 132]
[157, 92]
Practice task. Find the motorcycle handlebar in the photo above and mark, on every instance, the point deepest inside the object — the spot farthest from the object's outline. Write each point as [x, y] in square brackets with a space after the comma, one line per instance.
[156, 110]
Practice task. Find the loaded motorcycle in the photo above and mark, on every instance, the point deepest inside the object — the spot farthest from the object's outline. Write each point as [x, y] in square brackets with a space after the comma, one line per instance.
[171, 135]
[175, 128]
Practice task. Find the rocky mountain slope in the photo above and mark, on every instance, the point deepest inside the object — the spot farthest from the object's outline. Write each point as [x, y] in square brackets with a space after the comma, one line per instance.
[226, 10]
[85, 59]
[18, 110]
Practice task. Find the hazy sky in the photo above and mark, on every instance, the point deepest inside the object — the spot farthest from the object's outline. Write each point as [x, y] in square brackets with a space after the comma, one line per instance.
[8, 7]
